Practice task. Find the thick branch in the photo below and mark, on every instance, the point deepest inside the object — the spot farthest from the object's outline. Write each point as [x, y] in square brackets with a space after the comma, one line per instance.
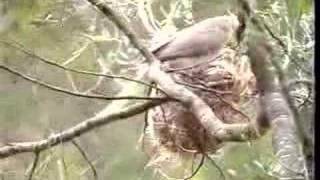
[121, 24]
[263, 27]
[278, 112]
[77, 130]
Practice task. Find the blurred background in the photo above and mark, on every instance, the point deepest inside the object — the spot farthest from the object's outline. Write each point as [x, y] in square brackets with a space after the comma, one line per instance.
[74, 34]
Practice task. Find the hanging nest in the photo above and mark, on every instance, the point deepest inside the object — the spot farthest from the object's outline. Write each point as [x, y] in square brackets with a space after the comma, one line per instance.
[173, 138]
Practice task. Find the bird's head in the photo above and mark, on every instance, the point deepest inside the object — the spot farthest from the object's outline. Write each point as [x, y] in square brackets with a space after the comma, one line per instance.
[233, 19]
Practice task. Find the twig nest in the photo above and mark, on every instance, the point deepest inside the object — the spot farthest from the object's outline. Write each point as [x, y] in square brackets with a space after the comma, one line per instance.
[174, 139]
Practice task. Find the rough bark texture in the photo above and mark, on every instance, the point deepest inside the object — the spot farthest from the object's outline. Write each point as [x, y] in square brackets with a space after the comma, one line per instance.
[75, 131]
[286, 144]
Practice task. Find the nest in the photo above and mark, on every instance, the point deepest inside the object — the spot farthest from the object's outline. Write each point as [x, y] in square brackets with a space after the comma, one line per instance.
[173, 138]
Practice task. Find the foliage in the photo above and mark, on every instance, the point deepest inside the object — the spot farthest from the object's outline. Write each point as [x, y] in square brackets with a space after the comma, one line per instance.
[72, 32]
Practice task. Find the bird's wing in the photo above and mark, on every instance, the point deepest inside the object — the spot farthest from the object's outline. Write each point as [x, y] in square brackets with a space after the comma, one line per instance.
[180, 37]
[190, 43]
[203, 38]
[157, 45]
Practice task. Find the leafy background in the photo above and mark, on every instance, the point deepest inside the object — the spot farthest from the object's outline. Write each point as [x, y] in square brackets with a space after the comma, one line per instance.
[71, 30]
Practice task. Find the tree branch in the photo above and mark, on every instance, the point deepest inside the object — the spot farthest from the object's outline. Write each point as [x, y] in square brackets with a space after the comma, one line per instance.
[34, 165]
[120, 22]
[263, 27]
[77, 130]
[85, 157]
[275, 104]
[59, 89]
[217, 94]
[50, 62]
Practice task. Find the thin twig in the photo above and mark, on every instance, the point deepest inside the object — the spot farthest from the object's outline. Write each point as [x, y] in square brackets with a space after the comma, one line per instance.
[272, 34]
[195, 172]
[50, 62]
[216, 165]
[262, 26]
[61, 169]
[283, 46]
[76, 54]
[85, 157]
[43, 166]
[34, 165]
[217, 94]
[100, 80]
[169, 70]
[203, 88]
[59, 89]
[119, 21]
[72, 83]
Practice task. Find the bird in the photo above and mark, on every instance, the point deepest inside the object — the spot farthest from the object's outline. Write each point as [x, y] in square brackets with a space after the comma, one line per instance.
[173, 137]
[204, 38]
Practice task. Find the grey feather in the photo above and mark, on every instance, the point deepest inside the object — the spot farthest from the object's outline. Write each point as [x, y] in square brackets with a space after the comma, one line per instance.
[204, 38]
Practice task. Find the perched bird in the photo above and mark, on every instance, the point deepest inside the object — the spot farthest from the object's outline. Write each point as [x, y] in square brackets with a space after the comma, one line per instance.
[205, 38]
[173, 138]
